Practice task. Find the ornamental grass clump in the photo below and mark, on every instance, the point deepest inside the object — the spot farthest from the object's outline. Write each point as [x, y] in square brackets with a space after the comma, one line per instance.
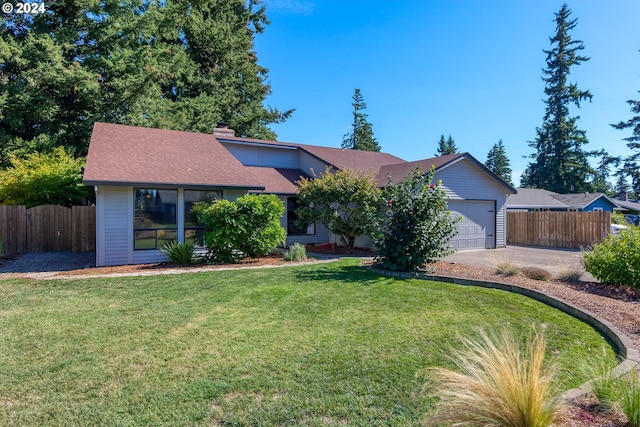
[603, 383]
[296, 252]
[536, 273]
[505, 266]
[630, 397]
[497, 382]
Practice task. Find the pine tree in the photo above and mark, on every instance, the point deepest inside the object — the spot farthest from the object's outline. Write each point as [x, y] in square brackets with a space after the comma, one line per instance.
[175, 64]
[631, 165]
[602, 172]
[560, 164]
[360, 137]
[498, 162]
[447, 146]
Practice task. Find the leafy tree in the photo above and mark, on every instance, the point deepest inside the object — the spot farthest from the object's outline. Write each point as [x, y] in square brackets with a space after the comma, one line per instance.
[447, 146]
[498, 162]
[631, 164]
[559, 163]
[346, 202]
[247, 227]
[174, 64]
[360, 137]
[416, 227]
[43, 179]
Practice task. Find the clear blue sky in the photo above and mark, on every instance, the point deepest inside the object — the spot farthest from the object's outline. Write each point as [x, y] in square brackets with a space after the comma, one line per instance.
[469, 68]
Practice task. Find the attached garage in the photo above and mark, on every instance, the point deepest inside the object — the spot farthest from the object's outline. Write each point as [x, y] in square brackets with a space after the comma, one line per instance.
[473, 193]
[477, 228]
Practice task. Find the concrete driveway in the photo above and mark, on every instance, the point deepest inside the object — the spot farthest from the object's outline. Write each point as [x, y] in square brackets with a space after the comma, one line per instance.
[553, 260]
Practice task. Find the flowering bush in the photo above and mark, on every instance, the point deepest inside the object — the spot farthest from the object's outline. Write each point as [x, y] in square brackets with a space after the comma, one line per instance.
[416, 226]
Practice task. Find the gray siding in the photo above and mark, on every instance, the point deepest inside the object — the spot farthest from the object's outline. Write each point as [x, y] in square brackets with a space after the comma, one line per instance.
[321, 236]
[115, 227]
[463, 180]
[257, 155]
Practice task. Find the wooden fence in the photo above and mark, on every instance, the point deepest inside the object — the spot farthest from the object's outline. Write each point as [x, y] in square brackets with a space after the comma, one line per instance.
[47, 229]
[557, 229]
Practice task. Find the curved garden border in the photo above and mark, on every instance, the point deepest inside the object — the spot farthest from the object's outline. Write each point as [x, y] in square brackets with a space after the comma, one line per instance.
[621, 343]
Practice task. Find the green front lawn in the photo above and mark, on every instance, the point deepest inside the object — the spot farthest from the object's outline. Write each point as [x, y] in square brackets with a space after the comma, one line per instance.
[326, 344]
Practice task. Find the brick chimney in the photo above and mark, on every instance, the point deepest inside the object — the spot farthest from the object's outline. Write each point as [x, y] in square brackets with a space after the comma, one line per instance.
[624, 196]
[223, 130]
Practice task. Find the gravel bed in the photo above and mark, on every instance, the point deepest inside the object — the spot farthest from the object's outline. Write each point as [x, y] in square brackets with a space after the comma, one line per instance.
[41, 262]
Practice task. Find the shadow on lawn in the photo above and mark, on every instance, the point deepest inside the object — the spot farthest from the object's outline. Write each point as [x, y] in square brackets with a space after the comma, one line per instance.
[348, 274]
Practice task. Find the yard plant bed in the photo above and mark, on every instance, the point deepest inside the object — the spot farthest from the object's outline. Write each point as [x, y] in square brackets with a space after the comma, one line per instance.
[320, 344]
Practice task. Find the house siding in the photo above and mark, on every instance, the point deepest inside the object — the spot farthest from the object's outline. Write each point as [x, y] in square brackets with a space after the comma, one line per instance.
[464, 177]
[310, 164]
[600, 203]
[256, 155]
[114, 226]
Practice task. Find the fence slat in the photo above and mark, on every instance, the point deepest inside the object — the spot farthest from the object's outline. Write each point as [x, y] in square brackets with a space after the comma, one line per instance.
[13, 229]
[557, 229]
[47, 228]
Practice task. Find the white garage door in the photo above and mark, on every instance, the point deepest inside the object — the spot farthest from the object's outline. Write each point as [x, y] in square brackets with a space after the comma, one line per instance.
[476, 230]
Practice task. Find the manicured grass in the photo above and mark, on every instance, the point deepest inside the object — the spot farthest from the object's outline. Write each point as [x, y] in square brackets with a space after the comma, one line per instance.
[328, 344]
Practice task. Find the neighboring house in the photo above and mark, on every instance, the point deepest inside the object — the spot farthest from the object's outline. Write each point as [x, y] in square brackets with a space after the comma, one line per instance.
[531, 199]
[630, 208]
[146, 181]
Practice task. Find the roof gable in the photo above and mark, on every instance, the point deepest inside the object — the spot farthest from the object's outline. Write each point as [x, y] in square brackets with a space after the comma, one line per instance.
[339, 158]
[128, 155]
[530, 198]
[582, 200]
[395, 173]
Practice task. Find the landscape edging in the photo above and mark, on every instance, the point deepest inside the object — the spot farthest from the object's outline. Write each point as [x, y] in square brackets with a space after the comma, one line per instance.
[622, 343]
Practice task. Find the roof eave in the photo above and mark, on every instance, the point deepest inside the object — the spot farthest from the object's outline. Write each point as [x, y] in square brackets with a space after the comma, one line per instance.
[172, 185]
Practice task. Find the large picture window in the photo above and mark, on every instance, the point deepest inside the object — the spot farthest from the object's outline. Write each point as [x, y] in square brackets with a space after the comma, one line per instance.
[193, 230]
[292, 228]
[154, 222]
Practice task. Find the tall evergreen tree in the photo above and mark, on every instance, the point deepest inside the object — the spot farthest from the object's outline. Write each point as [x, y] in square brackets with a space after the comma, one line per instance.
[631, 165]
[560, 164]
[498, 162]
[602, 172]
[447, 146]
[174, 64]
[360, 137]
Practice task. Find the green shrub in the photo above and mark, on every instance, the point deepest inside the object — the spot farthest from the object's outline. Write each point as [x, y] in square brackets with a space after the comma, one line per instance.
[618, 218]
[180, 253]
[248, 227]
[296, 252]
[617, 259]
[497, 382]
[416, 226]
[43, 179]
[1, 247]
[536, 273]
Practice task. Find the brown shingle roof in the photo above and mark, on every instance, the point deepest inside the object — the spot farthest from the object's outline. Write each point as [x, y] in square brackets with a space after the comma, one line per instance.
[121, 154]
[278, 180]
